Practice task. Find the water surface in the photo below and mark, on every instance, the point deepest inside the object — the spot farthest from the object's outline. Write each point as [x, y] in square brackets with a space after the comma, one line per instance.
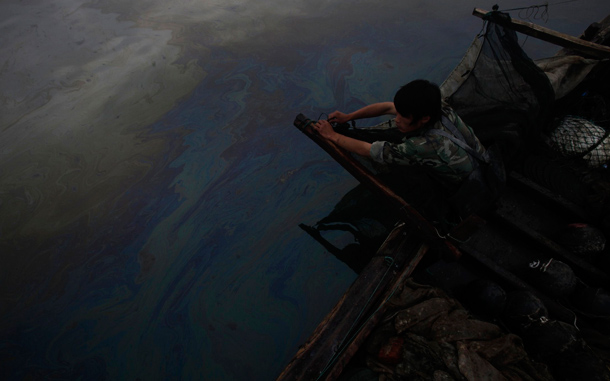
[151, 182]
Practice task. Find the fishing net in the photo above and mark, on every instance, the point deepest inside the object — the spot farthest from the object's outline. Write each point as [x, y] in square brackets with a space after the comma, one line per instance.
[576, 137]
[498, 90]
[581, 123]
[509, 99]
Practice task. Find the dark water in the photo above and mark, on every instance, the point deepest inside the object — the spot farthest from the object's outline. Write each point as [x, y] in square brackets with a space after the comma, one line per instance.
[151, 182]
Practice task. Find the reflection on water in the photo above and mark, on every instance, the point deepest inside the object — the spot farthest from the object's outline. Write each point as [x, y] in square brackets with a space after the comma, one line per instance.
[151, 184]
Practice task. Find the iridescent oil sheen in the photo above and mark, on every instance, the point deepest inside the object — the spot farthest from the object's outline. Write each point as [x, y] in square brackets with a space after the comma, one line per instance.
[152, 183]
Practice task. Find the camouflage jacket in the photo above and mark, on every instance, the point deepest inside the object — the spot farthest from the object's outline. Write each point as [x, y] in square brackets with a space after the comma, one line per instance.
[448, 163]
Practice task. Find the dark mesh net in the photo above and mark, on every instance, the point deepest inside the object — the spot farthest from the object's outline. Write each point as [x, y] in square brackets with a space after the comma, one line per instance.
[508, 99]
[505, 96]
[576, 137]
[581, 122]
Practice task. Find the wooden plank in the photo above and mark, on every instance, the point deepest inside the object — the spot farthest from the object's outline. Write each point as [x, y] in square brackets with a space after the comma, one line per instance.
[369, 325]
[557, 200]
[582, 268]
[317, 358]
[585, 47]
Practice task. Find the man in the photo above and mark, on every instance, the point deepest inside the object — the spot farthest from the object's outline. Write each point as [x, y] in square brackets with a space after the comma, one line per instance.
[431, 167]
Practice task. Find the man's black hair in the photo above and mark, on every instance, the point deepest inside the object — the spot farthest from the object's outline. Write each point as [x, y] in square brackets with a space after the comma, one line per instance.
[417, 99]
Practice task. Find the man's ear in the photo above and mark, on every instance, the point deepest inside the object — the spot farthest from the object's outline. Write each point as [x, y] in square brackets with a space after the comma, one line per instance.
[425, 119]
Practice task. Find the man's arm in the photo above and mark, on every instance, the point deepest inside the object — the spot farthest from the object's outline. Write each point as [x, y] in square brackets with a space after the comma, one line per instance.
[370, 111]
[352, 145]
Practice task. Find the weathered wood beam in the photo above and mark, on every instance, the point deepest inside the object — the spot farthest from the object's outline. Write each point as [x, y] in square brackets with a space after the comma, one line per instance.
[416, 255]
[590, 49]
[340, 334]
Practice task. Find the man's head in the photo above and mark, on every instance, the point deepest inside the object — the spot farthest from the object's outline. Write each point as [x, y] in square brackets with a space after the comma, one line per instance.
[417, 103]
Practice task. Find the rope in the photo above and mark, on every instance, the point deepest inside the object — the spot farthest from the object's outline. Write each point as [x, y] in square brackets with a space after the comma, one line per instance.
[535, 12]
[535, 9]
[531, 12]
[390, 262]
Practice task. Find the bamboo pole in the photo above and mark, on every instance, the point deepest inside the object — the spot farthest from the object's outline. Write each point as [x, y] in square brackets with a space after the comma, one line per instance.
[545, 34]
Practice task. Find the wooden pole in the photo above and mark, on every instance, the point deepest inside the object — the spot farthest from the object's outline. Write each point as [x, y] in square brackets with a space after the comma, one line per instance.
[338, 337]
[585, 47]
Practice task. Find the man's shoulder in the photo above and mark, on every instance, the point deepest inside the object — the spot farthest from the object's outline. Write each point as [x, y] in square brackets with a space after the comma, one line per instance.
[422, 144]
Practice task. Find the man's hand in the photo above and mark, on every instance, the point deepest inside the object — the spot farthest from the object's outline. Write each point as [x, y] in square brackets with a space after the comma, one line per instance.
[324, 128]
[338, 117]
